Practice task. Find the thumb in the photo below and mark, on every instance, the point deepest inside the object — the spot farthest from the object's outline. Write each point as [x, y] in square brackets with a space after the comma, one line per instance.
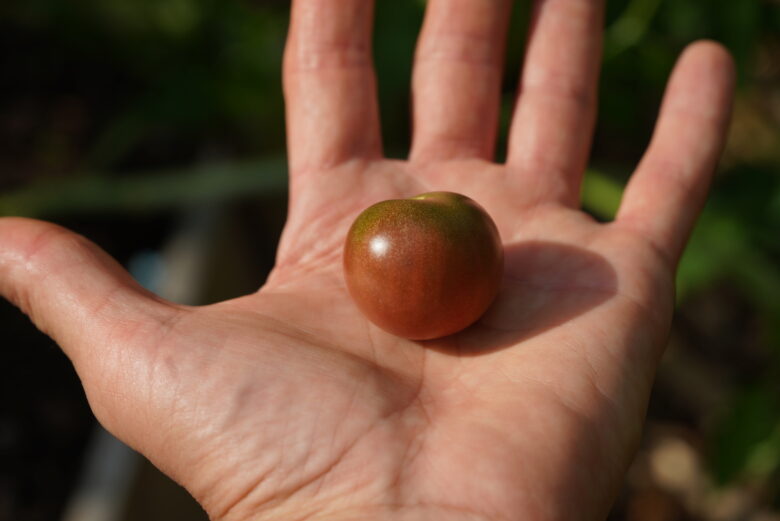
[74, 292]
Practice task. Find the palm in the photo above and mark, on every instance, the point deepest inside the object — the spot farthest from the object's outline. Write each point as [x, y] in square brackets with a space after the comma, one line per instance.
[288, 402]
[410, 424]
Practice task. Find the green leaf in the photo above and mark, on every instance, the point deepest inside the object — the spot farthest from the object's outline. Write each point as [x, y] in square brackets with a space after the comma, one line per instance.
[146, 192]
[747, 435]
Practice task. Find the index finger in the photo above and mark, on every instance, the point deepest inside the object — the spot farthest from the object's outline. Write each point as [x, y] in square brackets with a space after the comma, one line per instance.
[329, 84]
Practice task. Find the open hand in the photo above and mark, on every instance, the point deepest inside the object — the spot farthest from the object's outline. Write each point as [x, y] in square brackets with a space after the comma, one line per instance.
[288, 404]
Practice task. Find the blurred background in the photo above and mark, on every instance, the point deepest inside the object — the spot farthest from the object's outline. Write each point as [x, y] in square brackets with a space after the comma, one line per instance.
[155, 128]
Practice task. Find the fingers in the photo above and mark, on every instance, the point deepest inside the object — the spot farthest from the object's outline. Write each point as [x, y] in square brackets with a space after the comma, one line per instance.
[72, 290]
[552, 126]
[329, 84]
[457, 79]
[668, 189]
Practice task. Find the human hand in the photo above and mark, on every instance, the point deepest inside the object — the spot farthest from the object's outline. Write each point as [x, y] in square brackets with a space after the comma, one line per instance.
[288, 404]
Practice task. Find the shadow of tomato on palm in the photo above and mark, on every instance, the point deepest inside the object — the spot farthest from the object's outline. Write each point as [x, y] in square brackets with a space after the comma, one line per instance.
[545, 284]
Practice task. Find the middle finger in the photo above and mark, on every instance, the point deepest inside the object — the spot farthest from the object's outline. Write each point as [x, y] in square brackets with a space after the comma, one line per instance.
[457, 79]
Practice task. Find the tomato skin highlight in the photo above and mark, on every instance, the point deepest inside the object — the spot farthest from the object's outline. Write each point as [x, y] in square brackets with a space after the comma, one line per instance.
[424, 267]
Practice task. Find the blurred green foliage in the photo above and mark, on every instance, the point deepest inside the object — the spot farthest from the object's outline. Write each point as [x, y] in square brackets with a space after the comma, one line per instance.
[165, 83]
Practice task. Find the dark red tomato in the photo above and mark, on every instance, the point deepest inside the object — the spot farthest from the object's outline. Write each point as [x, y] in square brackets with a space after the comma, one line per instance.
[424, 267]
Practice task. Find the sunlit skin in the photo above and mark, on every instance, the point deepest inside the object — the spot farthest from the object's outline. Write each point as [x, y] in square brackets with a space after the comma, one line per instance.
[424, 267]
[288, 404]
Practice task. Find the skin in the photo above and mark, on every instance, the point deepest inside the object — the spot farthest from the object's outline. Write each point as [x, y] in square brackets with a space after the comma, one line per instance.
[424, 267]
[288, 404]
